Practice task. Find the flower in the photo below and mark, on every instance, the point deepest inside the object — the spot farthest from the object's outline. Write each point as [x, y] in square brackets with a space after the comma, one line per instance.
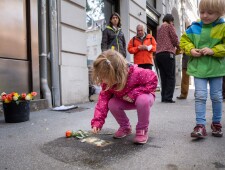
[16, 97]
[68, 133]
[80, 134]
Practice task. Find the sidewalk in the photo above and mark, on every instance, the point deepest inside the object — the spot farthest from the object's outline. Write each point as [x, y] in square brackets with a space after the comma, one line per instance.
[40, 143]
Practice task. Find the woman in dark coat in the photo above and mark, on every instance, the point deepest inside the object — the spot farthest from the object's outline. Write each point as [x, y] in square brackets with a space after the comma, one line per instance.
[113, 37]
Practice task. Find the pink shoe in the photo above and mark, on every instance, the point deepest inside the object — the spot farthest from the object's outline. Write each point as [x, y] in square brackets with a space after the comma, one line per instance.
[141, 137]
[122, 132]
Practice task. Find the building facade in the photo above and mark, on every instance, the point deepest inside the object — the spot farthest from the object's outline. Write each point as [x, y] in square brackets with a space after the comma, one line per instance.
[52, 43]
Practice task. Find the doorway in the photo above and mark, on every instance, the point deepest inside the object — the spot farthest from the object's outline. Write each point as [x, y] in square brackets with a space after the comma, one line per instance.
[18, 46]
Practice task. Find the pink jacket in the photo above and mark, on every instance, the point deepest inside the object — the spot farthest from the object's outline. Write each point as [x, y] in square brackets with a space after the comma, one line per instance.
[139, 81]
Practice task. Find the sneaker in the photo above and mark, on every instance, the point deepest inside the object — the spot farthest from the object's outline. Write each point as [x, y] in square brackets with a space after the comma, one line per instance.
[216, 129]
[122, 132]
[199, 131]
[141, 137]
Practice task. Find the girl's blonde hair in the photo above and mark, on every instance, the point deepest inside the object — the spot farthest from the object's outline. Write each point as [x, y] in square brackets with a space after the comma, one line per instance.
[111, 68]
[214, 5]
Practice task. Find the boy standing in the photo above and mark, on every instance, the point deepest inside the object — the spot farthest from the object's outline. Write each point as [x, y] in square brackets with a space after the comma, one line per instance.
[204, 42]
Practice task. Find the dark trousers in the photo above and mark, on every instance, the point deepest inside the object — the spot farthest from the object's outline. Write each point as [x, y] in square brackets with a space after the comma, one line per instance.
[166, 65]
[145, 66]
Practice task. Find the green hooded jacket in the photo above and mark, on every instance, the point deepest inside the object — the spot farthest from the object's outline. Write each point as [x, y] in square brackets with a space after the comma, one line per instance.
[198, 36]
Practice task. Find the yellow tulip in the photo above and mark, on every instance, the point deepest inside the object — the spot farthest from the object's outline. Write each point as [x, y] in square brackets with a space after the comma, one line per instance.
[6, 101]
[28, 97]
[15, 98]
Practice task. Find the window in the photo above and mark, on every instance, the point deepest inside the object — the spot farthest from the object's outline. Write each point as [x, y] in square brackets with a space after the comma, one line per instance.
[94, 11]
[99, 12]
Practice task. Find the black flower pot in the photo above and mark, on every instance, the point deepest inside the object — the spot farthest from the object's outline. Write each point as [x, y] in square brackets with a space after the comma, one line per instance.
[16, 112]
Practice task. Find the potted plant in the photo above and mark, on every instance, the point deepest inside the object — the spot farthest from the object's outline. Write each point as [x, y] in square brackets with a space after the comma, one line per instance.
[16, 106]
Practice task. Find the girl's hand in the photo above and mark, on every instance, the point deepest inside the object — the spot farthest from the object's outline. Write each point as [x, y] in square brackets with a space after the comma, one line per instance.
[95, 130]
[206, 51]
[128, 99]
[195, 52]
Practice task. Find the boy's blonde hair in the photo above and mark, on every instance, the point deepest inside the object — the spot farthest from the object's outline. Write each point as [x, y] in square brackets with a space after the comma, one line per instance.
[214, 5]
[111, 67]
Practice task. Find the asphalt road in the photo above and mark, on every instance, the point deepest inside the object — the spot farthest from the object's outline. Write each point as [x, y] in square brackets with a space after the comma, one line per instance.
[40, 143]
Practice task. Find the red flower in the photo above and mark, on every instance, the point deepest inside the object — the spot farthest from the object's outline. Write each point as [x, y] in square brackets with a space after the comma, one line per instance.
[3, 97]
[9, 97]
[33, 93]
[68, 133]
[23, 95]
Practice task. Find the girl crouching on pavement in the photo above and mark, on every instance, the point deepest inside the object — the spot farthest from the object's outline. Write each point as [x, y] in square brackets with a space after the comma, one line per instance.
[124, 87]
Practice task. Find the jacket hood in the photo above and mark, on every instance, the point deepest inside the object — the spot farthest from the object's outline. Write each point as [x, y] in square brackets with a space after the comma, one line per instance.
[218, 21]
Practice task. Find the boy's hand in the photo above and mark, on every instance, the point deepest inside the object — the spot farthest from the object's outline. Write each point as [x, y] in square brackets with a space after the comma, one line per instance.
[195, 52]
[95, 130]
[206, 51]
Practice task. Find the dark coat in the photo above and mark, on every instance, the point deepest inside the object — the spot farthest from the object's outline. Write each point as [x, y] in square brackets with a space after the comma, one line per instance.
[110, 38]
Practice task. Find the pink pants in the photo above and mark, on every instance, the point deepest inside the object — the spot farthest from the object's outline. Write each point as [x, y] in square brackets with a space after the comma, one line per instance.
[143, 104]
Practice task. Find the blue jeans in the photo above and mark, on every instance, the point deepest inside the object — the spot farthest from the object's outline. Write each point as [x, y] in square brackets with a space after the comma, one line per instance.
[201, 97]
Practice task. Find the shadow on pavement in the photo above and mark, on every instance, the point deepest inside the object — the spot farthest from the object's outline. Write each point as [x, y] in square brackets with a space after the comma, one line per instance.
[75, 152]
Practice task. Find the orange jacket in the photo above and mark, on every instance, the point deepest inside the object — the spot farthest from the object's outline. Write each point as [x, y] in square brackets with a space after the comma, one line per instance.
[142, 56]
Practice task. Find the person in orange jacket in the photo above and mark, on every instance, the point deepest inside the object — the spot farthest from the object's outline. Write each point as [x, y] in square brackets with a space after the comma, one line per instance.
[142, 46]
